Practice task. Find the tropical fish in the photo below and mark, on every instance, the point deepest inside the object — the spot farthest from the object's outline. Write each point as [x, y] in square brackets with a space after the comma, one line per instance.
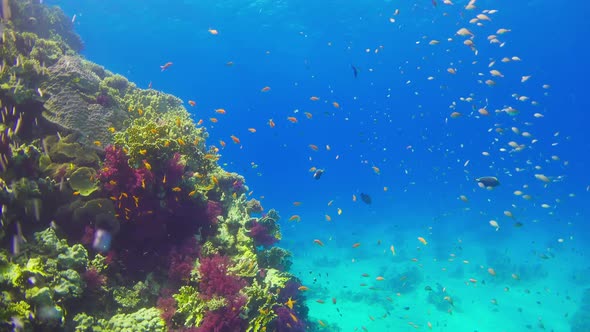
[318, 174]
[355, 71]
[366, 198]
[488, 182]
[166, 66]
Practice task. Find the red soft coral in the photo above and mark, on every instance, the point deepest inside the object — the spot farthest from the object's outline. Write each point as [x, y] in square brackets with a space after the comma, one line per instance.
[182, 260]
[215, 280]
[226, 319]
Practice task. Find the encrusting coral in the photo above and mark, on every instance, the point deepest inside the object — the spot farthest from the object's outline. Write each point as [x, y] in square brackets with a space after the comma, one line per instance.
[115, 213]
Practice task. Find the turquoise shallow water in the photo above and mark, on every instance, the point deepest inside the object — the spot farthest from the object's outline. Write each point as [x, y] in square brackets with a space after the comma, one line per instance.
[408, 102]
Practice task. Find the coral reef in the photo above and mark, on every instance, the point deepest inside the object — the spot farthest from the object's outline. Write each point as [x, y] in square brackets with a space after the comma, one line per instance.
[115, 213]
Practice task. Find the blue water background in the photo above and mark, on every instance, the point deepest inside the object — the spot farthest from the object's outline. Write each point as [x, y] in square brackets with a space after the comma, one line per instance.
[306, 48]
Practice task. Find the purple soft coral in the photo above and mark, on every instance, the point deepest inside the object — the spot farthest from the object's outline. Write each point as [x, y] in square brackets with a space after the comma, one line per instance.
[261, 235]
[287, 321]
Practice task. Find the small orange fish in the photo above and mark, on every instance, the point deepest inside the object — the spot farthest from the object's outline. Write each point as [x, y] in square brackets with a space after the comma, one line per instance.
[214, 120]
[235, 139]
[320, 301]
[222, 143]
[177, 120]
[336, 105]
[112, 130]
[376, 170]
[252, 130]
[176, 189]
[328, 218]
[314, 98]
[308, 115]
[296, 203]
[192, 103]
[214, 32]
[265, 89]
[422, 240]
[356, 245]
[142, 152]
[200, 122]
[164, 179]
[379, 278]
[97, 143]
[147, 165]
[192, 193]
[491, 271]
[313, 147]
[76, 193]
[140, 112]
[214, 179]
[220, 111]
[473, 280]
[292, 119]
[303, 288]
[271, 123]
[180, 141]
[143, 183]
[322, 324]
[318, 242]
[210, 156]
[295, 217]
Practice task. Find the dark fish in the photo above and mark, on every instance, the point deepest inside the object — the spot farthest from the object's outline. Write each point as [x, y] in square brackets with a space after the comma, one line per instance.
[518, 224]
[488, 181]
[318, 174]
[366, 198]
[354, 71]
[428, 288]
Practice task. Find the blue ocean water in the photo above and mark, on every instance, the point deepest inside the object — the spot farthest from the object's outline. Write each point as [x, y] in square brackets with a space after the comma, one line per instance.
[392, 137]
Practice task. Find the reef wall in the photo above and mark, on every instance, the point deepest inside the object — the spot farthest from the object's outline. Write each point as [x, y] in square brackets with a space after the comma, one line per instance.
[115, 213]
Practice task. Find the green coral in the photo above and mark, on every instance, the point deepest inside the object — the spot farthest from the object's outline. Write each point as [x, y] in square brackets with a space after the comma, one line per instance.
[276, 279]
[83, 181]
[245, 264]
[54, 266]
[261, 300]
[191, 308]
[46, 51]
[131, 298]
[144, 319]
[275, 257]
[68, 150]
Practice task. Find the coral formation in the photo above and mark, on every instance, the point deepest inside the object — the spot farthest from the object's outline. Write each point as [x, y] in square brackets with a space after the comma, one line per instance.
[115, 213]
